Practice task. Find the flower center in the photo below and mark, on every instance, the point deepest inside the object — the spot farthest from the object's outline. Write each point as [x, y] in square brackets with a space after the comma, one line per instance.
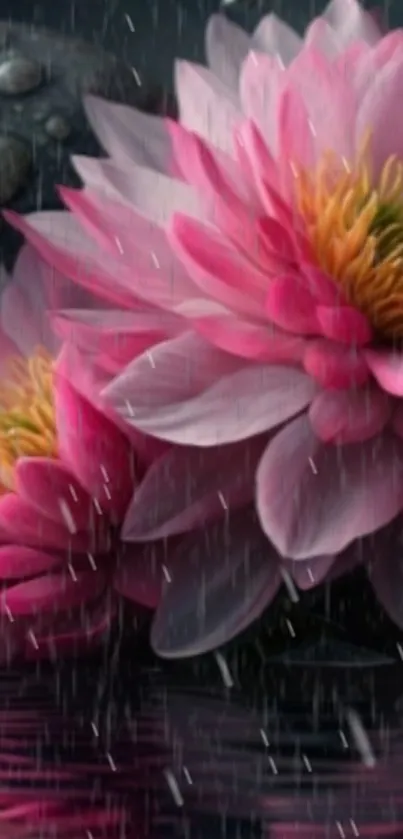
[356, 234]
[27, 416]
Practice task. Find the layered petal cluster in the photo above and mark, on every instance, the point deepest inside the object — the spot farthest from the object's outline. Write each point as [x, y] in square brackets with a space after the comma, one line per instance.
[252, 259]
[67, 474]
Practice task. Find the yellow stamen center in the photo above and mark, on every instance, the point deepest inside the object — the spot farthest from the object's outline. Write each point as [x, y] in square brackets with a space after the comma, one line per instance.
[356, 233]
[27, 415]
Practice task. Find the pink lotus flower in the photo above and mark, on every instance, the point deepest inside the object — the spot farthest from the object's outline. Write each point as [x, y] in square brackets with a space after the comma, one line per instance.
[66, 477]
[253, 253]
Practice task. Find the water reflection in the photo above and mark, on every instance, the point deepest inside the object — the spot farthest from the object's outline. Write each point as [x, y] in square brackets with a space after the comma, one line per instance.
[159, 754]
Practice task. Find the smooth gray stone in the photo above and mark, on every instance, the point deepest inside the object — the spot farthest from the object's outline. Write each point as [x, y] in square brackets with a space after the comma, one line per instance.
[42, 126]
[19, 74]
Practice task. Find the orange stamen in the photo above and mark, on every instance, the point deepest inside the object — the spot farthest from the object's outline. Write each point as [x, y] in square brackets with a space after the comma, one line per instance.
[27, 415]
[355, 228]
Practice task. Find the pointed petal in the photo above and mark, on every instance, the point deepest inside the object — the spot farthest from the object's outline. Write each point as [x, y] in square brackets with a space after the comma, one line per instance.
[275, 37]
[18, 561]
[206, 105]
[261, 83]
[220, 581]
[296, 139]
[97, 452]
[154, 195]
[315, 499]
[235, 407]
[131, 136]
[49, 486]
[351, 22]
[187, 487]
[376, 114]
[337, 131]
[27, 527]
[226, 47]
[174, 371]
[52, 592]
[25, 303]
[217, 268]
[60, 240]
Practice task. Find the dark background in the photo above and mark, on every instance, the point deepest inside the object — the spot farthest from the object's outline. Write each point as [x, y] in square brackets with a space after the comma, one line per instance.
[163, 28]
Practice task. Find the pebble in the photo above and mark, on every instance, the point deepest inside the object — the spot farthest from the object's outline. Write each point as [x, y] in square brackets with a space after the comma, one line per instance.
[19, 75]
[58, 127]
[15, 163]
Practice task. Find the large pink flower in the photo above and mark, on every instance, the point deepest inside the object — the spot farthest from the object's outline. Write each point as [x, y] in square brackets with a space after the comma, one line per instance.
[67, 474]
[254, 253]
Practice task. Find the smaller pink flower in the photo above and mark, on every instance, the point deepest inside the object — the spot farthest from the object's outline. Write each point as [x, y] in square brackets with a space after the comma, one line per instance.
[67, 474]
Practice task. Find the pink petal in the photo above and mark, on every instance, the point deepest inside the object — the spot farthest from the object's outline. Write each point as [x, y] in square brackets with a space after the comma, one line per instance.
[387, 50]
[236, 407]
[351, 22]
[220, 581]
[155, 196]
[18, 561]
[314, 499]
[309, 573]
[344, 324]
[89, 382]
[59, 239]
[377, 111]
[121, 335]
[25, 303]
[188, 486]
[290, 307]
[96, 451]
[275, 37]
[139, 575]
[52, 592]
[229, 203]
[349, 416]
[226, 47]
[260, 86]
[250, 340]
[336, 132]
[387, 368]
[26, 526]
[253, 154]
[217, 268]
[296, 140]
[321, 37]
[49, 486]
[129, 135]
[206, 105]
[85, 206]
[175, 370]
[334, 366]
